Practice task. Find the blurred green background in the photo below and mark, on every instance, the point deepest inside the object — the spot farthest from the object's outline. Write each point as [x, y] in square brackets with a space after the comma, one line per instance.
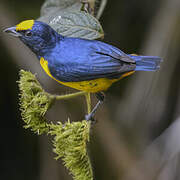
[131, 137]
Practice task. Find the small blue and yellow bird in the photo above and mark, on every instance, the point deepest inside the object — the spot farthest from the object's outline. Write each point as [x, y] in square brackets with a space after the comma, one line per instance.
[86, 65]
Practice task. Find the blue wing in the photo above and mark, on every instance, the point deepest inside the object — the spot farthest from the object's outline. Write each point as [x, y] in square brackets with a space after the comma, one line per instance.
[80, 60]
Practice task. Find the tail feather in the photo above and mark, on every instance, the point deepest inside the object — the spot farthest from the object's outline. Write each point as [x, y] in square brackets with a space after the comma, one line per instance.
[147, 63]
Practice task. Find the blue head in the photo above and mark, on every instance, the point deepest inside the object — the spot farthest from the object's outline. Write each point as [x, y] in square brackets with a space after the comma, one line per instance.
[38, 36]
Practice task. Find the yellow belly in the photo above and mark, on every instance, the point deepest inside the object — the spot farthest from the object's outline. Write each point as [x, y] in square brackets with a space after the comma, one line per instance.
[93, 86]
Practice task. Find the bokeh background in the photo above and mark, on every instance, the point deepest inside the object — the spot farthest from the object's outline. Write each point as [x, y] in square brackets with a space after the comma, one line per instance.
[137, 135]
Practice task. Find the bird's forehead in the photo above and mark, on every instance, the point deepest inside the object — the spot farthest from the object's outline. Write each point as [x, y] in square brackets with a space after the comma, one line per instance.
[25, 25]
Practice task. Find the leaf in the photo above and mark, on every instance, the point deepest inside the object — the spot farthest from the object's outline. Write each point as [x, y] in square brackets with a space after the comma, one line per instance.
[51, 6]
[74, 24]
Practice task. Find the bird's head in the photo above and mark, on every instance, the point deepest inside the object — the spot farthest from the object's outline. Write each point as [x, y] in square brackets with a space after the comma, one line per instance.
[38, 36]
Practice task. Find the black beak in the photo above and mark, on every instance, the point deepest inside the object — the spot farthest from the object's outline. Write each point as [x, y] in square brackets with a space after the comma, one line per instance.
[12, 31]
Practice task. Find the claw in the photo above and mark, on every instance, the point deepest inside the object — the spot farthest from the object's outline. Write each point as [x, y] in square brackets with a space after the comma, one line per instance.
[89, 117]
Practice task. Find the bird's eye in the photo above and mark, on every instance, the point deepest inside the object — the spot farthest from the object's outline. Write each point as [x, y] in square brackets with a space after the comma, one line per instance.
[28, 33]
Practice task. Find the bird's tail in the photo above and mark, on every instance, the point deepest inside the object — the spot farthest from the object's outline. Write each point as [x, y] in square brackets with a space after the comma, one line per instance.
[147, 63]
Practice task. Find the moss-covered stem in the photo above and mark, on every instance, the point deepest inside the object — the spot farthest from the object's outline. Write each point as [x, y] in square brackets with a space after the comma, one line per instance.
[70, 139]
[70, 144]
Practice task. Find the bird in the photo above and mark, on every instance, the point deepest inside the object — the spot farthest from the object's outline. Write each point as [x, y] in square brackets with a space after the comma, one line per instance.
[90, 66]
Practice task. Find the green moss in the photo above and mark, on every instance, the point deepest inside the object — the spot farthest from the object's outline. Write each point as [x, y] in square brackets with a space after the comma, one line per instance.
[34, 102]
[70, 144]
[70, 139]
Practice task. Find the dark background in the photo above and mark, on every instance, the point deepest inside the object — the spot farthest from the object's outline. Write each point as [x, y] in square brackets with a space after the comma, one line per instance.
[137, 134]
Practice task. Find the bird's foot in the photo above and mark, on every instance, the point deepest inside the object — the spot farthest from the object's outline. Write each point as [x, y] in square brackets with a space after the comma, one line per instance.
[90, 117]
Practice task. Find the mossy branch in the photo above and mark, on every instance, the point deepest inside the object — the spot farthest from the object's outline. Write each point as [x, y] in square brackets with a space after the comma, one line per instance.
[70, 144]
[34, 103]
[70, 139]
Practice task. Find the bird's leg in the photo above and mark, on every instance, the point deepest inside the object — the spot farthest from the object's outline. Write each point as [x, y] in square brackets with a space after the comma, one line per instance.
[100, 96]
[69, 96]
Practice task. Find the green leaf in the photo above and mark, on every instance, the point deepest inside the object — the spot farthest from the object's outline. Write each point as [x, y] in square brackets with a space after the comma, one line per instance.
[51, 6]
[74, 24]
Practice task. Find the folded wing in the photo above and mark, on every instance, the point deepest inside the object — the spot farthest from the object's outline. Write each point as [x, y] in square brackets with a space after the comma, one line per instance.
[103, 61]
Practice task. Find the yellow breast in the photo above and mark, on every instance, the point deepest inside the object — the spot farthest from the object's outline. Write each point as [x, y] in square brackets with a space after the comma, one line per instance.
[93, 86]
